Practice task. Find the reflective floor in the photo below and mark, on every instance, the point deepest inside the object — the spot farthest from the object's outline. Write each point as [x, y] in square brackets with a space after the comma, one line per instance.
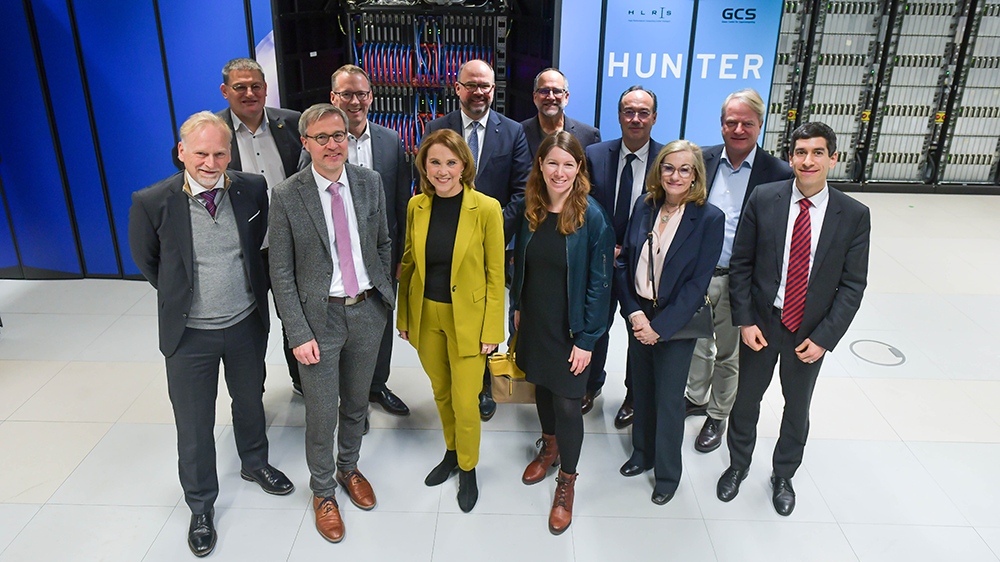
[901, 464]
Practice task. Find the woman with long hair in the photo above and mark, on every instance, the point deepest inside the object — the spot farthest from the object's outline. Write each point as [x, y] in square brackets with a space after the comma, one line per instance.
[563, 256]
[450, 304]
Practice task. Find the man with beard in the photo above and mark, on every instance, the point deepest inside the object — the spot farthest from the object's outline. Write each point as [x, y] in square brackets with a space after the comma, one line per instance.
[551, 95]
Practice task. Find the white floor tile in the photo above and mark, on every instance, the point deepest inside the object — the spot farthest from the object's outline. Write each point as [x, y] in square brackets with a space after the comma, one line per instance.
[50, 337]
[967, 472]
[984, 396]
[88, 533]
[991, 536]
[39, 456]
[911, 312]
[73, 296]
[916, 365]
[19, 380]
[908, 543]
[13, 518]
[600, 539]
[129, 338]
[396, 462]
[982, 309]
[369, 535]
[286, 452]
[967, 355]
[462, 536]
[841, 410]
[765, 541]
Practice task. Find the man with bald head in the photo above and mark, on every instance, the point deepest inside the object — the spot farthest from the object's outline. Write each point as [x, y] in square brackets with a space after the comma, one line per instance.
[196, 237]
[551, 95]
[499, 149]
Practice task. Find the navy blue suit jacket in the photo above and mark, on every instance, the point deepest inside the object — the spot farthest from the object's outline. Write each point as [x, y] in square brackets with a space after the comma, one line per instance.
[389, 160]
[602, 161]
[766, 169]
[687, 267]
[583, 132]
[504, 161]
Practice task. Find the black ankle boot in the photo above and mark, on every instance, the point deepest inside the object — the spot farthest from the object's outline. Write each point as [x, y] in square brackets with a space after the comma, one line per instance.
[443, 470]
[468, 491]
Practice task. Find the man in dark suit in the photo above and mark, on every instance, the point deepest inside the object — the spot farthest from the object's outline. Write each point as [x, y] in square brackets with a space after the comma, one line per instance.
[618, 171]
[331, 259]
[499, 150]
[796, 278]
[196, 238]
[378, 148]
[265, 141]
[733, 170]
[551, 94]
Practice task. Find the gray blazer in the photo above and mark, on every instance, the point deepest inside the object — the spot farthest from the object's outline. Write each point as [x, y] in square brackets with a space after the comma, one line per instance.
[300, 255]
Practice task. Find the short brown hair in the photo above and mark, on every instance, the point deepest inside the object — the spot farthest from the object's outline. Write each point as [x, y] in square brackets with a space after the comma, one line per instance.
[348, 69]
[536, 195]
[453, 142]
[697, 193]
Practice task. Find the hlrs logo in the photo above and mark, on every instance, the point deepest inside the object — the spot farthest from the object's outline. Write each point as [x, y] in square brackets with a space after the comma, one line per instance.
[658, 13]
[744, 14]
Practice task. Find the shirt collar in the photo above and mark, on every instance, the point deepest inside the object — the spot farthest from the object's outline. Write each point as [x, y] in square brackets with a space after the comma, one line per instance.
[237, 123]
[365, 135]
[816, 200]
[641, 154]
[195, 189]
[482, 120]
[322, 183]
[748, 160]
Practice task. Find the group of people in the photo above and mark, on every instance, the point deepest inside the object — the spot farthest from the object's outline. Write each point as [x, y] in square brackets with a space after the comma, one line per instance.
[721, 261]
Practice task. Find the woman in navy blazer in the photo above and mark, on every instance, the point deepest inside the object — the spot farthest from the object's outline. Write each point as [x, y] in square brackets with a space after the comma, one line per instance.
[671, 247]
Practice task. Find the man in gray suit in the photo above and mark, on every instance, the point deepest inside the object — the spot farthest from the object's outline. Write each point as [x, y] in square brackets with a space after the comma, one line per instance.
[551, 94]
[331, 259]
[378, 148]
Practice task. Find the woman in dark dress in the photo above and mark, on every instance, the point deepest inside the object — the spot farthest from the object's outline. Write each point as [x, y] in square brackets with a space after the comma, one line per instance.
[563, 256]
[671, 247]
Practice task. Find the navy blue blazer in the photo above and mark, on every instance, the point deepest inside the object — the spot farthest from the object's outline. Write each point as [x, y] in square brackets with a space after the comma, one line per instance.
[766, 169]
[504, 159]
[687, 267]
[389, 160]
[602, 162]
[583, 132]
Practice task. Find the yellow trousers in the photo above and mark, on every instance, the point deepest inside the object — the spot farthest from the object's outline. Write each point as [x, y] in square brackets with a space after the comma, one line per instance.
[456, 381]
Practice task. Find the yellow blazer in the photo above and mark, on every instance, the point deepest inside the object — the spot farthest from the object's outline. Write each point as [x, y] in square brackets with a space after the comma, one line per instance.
[477, 271]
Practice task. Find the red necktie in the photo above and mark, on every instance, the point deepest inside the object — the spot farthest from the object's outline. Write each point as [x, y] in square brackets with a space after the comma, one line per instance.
[798, 269]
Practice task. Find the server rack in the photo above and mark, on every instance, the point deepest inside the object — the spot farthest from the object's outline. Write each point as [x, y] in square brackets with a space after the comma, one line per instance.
[792, 54]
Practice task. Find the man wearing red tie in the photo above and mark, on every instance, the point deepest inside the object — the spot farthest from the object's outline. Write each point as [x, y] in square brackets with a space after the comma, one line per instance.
[797, 275]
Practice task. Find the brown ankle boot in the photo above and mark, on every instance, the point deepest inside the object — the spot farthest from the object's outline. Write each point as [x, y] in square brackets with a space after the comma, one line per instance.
[562, 506]
[548, 455]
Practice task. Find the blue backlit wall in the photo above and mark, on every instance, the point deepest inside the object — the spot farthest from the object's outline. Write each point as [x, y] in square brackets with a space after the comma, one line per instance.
[96, 92]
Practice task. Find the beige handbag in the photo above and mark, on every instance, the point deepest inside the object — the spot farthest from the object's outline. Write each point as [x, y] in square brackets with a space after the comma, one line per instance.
[509, 386]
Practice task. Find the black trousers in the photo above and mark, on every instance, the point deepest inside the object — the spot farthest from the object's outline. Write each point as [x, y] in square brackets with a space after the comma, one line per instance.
[599, 359]
[798, 380]
[290, 360]
[193, 383]
[659, 375]
[381, 375]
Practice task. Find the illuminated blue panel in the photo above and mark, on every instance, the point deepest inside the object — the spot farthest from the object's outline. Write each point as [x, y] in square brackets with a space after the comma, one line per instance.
[199, 38]
[27, 160]
[125, 73]
[65, 89]
[579, 53]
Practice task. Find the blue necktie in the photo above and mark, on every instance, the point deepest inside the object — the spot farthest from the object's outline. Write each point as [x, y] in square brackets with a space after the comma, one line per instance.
[474, 142]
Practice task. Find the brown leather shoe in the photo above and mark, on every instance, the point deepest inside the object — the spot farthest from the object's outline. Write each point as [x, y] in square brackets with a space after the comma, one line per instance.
[625, 413]
[358, 488]
[328, 521]
[562, 506]
[548, 455]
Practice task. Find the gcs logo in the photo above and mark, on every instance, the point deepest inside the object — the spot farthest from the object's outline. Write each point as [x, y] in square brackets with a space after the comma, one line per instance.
[739, 13]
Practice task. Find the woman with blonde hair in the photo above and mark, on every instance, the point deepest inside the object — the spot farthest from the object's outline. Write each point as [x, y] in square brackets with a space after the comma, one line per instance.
[563, 255]
[450, 304]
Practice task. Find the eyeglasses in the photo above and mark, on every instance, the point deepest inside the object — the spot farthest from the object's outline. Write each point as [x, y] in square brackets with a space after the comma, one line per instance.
[684, 171]
[323, 138]
[557, 92]
[632, 114]
[346, 96]
[242, 88]
[473, 86]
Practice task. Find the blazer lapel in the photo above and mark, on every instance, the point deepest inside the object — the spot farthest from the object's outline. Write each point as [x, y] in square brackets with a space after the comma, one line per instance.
[826, 236]
[181, 214]
[421, 223]
[780, 221]
[309, 192]
[688, 222]
[611, 179]
[466, 229]
[490, 140]
[234, 148]
[712, 167]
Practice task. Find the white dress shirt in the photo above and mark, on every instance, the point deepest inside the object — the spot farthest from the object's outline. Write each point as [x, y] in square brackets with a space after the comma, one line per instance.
[337, 279]
[729, 188]
[817, 212]
[638, 173]
[359, 149]
[480, 131]
[258, 152]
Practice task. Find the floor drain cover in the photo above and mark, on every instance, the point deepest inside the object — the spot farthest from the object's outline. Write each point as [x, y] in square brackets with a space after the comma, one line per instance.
[878, 353]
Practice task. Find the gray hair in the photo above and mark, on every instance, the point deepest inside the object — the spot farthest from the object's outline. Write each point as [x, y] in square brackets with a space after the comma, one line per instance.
[240, 64]
[751, 98]
[202, 119]
[534, 85]
[317, 112]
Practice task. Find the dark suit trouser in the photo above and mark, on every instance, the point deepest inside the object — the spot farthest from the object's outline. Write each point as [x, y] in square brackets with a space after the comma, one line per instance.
[798, 380]
[381, 375]
[600, 357]
[290, 360]
[193, 383]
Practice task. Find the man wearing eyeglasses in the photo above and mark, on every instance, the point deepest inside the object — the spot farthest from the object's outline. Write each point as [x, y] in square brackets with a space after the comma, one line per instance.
[267, 146]
[500, 151]
[732, 170]
[331, 259]
[551, 94]
[378, 148]
[618, 171]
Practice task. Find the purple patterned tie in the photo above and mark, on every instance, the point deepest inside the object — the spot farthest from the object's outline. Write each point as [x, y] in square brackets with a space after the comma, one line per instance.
[209, 197]
[798, 269]
[343, 234]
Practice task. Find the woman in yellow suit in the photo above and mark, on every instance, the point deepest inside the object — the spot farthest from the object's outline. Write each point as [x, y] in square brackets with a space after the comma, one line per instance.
[451, 296]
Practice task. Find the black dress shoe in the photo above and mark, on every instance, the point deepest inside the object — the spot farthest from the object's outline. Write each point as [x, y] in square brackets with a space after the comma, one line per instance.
[468, 490]
[296, 388]
[367, 426]
[443, 470]
[632, 468]
[270, 479]
[782, 495]
[692, 409]
[624, 417]
[390, 402]
[587, 402]
[729, 483]
[201, 534]
[660, 498]
[711, 435]
[487, 407]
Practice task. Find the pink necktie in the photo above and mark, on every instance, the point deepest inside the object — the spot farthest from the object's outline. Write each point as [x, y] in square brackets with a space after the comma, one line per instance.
[343, 234]
[798, 269]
